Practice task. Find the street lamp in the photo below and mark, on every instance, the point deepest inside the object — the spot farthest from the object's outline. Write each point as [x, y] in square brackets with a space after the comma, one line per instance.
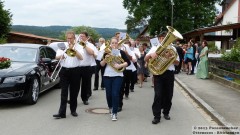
[172, 3]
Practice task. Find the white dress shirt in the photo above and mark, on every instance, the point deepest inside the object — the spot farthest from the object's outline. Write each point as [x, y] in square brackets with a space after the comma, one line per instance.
[87, 58]
[70, 62]
[110, 72]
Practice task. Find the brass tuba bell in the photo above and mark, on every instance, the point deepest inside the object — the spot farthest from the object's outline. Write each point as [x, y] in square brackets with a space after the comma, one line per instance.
[166, 55]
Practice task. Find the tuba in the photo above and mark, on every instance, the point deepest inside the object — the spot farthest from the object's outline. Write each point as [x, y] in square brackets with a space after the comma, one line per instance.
[166, 55]
[111, 59]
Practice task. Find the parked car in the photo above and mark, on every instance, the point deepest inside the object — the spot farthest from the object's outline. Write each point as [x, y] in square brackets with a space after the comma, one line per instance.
[30, 72]
[58, 45]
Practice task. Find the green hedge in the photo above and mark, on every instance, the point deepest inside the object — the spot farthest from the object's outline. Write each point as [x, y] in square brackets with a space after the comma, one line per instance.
[234, 54]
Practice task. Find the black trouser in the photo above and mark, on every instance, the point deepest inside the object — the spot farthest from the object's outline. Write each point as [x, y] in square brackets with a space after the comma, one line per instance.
[96, 80]
[93, 68]
[121, 93]
[85, 76]
[194, 61]
[127, 79]
[69, 78]
[179, 66]
[133, 77]
[163, 89]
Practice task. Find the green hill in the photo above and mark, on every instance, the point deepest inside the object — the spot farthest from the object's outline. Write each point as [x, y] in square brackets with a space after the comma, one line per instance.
[56, 31]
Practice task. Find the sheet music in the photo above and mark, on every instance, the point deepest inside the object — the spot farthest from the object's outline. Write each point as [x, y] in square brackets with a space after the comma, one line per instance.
[154, 42]
[122, 36]
[115, 52]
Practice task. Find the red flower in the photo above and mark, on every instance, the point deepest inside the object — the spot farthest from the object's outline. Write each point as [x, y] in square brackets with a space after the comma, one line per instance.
[4, 63]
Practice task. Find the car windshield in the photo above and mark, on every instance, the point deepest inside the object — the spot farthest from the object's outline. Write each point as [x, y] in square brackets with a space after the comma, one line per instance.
[18, 54]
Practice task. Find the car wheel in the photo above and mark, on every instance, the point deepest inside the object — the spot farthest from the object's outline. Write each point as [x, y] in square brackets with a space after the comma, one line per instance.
[33, 91]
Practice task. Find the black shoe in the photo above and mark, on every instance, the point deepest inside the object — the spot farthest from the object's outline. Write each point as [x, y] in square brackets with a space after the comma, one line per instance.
[74, 114]
[95, 89]
[119, 109]
[59, 116]
[155, 121]
[85, 102]
[126, 97]
[68, 101]
[167, 117]
[132, 90]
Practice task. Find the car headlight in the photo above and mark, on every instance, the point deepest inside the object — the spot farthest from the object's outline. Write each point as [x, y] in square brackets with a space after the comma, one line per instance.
[15, 79]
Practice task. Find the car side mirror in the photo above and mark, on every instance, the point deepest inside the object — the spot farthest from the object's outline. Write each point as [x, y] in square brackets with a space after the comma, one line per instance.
[46, 60]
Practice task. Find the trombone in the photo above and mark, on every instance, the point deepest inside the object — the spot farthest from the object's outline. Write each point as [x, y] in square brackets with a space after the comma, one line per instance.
[70, 52]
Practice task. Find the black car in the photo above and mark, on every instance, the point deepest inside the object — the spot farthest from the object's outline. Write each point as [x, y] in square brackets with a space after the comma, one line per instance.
[30, 73]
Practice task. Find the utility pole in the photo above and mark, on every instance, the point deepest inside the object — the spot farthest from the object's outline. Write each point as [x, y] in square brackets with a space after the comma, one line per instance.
[172, 3]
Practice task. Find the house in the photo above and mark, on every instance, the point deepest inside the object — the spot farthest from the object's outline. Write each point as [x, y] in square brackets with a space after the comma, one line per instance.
[230, 15]
[225, 30]
[19, 37]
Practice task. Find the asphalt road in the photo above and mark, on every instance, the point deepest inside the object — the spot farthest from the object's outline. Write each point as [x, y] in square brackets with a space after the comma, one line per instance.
[135, 118]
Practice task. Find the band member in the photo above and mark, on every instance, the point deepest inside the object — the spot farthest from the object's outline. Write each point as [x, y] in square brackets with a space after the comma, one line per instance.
[98, 66]
[68, 75]
[163, 87]
[113, 79]
[128, 73]
[93, 63]
[137, 55]
[85, 67]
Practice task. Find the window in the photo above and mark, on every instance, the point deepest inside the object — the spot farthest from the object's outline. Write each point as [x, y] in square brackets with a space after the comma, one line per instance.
[50, 53]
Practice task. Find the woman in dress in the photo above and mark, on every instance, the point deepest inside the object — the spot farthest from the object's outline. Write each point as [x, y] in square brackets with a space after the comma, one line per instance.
[202, 70]
[141, 66]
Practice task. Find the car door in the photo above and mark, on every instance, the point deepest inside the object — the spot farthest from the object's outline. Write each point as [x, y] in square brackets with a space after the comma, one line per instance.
[44, 68]
[54, 66]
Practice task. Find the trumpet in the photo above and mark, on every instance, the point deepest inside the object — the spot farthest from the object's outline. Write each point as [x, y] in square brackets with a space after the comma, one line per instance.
[81, 42]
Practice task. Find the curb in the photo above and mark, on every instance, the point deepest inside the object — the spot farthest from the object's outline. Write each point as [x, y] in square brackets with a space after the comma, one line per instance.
[207, 108]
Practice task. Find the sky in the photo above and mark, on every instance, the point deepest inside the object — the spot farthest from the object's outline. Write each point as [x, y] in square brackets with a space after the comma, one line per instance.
[93, 13]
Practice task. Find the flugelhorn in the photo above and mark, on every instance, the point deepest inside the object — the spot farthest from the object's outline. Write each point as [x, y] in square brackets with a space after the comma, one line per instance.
[111, 59]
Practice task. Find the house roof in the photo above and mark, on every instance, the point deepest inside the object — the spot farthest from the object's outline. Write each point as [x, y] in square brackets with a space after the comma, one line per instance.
[220, 16]
[33, 36]
[143, 32]
[200, 31]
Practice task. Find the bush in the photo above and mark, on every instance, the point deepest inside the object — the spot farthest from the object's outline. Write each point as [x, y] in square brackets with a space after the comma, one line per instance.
[3, 40]
[234, 54]
[212, 47]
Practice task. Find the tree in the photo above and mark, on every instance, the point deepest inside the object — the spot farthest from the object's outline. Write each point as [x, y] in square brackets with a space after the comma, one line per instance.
[91, 32]
[5, 22]
[188, 14]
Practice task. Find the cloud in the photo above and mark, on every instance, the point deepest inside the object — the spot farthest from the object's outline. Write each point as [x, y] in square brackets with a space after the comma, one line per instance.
[94, 13]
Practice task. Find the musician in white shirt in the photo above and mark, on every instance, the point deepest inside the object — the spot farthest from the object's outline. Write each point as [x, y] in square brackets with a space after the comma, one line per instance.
[163, 86]
[69, 79]
[101, 47]
[113, 79]
[85, 68]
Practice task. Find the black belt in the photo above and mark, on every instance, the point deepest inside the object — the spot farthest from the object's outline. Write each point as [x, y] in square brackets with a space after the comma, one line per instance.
[112, 76]
[84, 66]
[69, 68]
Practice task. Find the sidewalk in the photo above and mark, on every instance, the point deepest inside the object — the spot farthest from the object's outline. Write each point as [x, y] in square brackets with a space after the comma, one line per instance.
[221, 102]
